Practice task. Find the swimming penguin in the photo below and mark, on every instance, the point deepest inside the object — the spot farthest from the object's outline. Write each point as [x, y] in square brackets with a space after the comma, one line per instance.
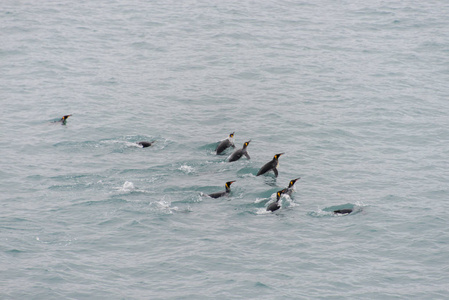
[240, 152]
[145, 144]
[64, 119]
[290, 189]
[226, 143]
[271, 165]
[225, 193]
[344, 211]
[275, 205]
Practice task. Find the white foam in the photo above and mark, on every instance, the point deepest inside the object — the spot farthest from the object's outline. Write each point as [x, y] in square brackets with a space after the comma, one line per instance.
[290, 201]
[359, 204]
[258, 200]
[164, 205]
[320, 213]
[186, 169]
[129, 144]
[262, 211]
[127, 187]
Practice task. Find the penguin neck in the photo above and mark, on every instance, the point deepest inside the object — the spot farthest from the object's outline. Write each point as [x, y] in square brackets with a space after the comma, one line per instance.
[228, 189]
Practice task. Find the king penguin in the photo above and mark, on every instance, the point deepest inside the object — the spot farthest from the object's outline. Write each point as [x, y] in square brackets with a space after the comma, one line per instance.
[226, 143]
[275, 205]
[344, 211]
[145, 144]
[290, 188]
[240, 152]
[225, 193]
[64, 119]
[271, 165]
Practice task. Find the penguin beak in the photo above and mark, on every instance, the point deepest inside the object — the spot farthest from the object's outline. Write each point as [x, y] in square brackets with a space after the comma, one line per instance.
[294, 180]
[280, 154]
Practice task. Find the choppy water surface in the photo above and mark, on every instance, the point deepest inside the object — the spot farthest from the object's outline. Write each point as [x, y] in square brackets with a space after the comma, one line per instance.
[355, 94]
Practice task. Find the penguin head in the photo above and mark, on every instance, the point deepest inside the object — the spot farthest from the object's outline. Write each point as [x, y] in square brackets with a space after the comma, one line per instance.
[292, 182]
[231, 135]
[279, 193]
[228, 185]
[276, 156]
[246, 144]
[65, 117]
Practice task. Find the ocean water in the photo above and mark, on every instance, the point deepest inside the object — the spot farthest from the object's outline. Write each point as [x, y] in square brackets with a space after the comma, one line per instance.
[355, 94]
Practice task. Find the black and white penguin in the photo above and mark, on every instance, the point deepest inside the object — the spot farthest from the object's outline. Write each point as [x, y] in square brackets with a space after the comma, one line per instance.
[240, 152]
[275, 205]
[271, 165]
[344, 211]
[64, 119]
[225, 144]
[145, 144]
[290, 188]
[225, 193]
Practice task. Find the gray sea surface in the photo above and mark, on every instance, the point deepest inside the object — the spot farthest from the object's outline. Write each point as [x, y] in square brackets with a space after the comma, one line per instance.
[355, 93]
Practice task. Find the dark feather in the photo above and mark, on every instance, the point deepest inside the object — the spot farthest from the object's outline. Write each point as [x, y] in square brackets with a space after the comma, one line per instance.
[223, 146]
[267, 167]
